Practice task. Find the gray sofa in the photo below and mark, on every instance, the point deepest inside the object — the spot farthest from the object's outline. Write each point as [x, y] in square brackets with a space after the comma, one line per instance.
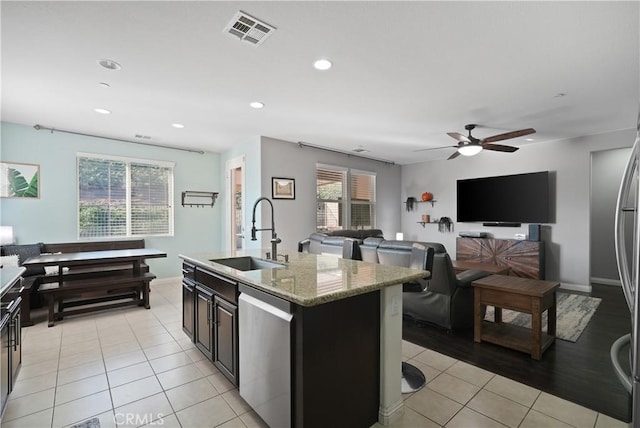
[345, 243]
[445, 299]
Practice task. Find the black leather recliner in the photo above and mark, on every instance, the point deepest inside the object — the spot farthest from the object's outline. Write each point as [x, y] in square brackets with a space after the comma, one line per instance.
[447, 300]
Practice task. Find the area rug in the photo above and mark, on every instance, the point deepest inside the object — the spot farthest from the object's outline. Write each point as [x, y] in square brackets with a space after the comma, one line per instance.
[573, 313]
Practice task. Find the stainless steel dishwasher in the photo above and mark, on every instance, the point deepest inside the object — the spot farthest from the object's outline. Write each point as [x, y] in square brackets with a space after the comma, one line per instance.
[265, 356]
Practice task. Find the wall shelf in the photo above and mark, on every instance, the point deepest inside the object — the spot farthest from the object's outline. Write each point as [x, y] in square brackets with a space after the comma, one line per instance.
[427, 222]
[433, 201]
[191, 198]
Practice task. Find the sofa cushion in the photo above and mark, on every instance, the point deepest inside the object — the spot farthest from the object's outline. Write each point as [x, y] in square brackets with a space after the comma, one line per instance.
[356, 233]
[24, 252]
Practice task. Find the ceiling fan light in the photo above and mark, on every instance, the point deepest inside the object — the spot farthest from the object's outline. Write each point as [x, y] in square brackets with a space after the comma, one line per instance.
[470, 149]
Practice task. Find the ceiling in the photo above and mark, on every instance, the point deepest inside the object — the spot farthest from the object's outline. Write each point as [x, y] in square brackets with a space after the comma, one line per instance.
[404, 73]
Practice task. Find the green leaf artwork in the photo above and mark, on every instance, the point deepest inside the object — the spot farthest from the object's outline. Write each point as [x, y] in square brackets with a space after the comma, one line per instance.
[19, 180]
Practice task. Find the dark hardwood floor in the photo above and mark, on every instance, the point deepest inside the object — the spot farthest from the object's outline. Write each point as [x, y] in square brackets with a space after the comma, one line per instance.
[580, 372]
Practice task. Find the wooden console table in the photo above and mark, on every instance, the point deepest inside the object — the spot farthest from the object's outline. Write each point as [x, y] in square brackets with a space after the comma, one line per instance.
[531, 296]
[524, 258]
[462, 265]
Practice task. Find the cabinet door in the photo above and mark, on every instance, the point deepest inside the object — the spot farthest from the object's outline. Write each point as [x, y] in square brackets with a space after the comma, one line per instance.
[188, 308]
[225, 338]
[523, 257]
[15, 342]
[5, 363]
[204, 331]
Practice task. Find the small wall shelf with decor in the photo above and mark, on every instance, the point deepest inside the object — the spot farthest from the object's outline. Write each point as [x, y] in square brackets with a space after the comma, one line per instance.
[428, 222]
[411, 201]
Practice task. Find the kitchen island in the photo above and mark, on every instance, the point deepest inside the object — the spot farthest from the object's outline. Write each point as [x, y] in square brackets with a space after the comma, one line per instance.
[320, 334]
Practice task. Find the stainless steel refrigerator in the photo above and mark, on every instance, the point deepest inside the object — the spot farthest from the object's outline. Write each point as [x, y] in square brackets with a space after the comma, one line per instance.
[625, 352]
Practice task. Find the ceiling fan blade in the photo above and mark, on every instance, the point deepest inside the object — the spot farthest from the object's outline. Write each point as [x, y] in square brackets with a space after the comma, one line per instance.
[499, 147]
[508, 135]
[459, 137]
[434, 148]
[454, 155]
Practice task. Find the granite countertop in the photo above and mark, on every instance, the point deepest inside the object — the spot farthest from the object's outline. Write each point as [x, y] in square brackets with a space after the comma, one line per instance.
[310, 279]
[8, 275]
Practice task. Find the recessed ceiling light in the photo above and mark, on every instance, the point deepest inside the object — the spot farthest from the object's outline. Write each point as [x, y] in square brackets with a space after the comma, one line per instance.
[322, 64]
[109, 64]
[104, 85]
[102, 110]
[177, 125]
[256, 104]
[530, 139]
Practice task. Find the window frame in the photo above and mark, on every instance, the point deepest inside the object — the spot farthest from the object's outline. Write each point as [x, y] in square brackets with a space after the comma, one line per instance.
[128, 161]
[347, 201]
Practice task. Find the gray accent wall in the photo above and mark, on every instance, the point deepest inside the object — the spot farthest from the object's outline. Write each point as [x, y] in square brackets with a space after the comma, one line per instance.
[296, 219]
[567, 240]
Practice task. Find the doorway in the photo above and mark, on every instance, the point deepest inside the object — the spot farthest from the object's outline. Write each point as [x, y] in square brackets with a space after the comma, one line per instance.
[607, 167]
[235, 204]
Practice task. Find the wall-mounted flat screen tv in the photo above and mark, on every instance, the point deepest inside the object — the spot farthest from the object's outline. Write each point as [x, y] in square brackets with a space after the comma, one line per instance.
[519, 198]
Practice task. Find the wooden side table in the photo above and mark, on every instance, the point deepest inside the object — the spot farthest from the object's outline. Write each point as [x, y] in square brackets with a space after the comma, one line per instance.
[531, 296]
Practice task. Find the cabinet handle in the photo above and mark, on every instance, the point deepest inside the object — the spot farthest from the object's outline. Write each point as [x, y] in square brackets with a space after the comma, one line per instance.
[208, 313]
[17, 338]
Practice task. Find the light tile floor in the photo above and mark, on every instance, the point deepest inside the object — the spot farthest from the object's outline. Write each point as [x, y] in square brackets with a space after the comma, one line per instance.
[135, 367]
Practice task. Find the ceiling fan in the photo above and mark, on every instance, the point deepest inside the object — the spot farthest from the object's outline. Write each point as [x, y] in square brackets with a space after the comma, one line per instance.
[470, 145]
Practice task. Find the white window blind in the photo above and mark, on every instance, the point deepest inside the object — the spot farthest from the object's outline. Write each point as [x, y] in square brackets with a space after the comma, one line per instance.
[122, 197]
[345, 199]
[363, 192]
[330, 196]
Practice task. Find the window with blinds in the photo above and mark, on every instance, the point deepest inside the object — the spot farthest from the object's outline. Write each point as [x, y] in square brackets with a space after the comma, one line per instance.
[330, 185]
[363, 198]
[345, 199]
[119, 197]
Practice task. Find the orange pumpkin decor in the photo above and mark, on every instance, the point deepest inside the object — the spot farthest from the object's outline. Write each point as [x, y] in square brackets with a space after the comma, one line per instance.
[426, 196]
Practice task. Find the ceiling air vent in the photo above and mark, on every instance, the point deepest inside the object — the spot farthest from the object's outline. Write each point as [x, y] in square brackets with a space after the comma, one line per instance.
[246, 27]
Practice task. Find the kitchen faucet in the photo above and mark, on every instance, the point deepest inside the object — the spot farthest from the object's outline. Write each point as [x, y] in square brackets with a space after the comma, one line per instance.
[274, 236]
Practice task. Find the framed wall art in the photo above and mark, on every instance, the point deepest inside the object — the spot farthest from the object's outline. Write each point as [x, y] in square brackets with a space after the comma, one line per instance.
[19, 180]
[283, 188]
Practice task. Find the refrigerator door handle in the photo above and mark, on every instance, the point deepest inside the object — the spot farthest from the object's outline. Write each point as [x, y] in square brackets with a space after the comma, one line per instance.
[627, 273]
[617, 367]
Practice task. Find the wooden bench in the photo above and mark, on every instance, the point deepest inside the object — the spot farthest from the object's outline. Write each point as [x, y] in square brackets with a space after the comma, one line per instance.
[89, 295]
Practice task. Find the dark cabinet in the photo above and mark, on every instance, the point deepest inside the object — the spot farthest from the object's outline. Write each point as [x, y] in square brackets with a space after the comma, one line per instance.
[5, 362]
[210, 316]
[15, 343]
[225, 336]
[188, 308]
[11, 355]
[204, 328]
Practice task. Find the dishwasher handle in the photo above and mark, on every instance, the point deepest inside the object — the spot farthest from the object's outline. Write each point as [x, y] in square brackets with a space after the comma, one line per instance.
[266, 307]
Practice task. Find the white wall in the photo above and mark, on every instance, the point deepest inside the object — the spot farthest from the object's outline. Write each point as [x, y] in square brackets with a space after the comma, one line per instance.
[296, 219]
[252, 189]
[567, 246]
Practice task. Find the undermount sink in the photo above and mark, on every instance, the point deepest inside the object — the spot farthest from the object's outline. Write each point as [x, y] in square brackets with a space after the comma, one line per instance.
[247, 263]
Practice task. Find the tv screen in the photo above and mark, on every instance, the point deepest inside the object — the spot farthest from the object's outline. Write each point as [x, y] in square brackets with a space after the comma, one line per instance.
[520, 198]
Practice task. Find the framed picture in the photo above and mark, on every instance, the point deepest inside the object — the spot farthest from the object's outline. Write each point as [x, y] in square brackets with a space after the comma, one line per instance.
[19, 180]
[283, 188]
